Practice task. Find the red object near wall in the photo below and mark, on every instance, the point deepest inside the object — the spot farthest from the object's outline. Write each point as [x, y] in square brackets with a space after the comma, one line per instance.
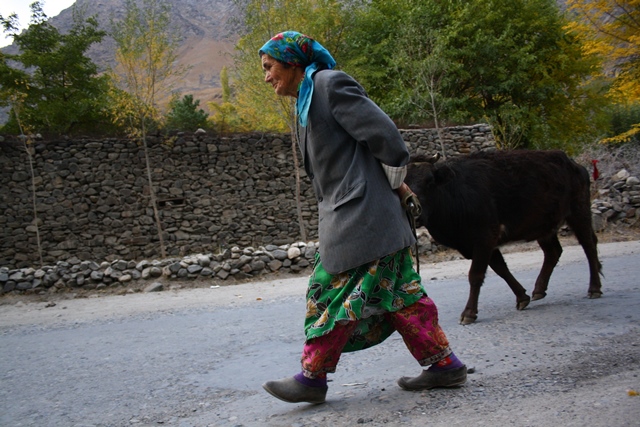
[596, 173]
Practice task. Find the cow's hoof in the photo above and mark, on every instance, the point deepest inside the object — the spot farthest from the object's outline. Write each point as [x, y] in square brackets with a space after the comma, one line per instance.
[464, 320]
[536, 297]
[594, 295]
[521, 305]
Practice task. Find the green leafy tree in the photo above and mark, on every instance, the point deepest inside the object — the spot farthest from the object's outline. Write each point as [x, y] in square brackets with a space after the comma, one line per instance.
[507, 62]
[14, 86]
[519, 70]
[145, 54]
[368, 56]
[624, 118]
[184, 114]
[61, 87]
[424, 70]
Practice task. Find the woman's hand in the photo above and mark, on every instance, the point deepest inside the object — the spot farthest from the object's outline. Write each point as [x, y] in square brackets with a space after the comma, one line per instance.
[409, 200]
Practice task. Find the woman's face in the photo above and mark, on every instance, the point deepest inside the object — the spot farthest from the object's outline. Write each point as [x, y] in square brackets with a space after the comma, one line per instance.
[284, 79]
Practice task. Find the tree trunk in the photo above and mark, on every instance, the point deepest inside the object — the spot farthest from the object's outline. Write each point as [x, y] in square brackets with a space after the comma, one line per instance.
[152, 192]
[35, 209]
[294, 150]
[435, 121]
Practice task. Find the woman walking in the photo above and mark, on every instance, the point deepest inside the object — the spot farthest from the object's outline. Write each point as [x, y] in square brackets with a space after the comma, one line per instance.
[363, 286]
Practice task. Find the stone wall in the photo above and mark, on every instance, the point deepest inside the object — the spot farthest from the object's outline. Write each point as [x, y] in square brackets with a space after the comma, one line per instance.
[617, 200]
[214, 193]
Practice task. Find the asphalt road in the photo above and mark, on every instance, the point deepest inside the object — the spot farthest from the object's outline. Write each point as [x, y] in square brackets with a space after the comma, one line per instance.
[198, 357]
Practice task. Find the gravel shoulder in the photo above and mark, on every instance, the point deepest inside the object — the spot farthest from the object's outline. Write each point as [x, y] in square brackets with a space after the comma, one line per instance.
[17, 310]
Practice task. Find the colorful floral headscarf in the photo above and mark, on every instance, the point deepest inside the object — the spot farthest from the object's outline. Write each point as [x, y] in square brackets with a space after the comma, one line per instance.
[300, 51]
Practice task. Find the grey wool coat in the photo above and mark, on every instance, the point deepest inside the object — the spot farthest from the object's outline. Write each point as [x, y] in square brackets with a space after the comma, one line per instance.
[346, 140]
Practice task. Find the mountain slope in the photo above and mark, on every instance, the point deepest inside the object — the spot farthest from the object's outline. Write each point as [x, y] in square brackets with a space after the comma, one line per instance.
[208, 30]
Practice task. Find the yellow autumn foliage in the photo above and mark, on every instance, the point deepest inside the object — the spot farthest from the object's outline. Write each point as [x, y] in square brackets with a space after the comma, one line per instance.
[611, 30]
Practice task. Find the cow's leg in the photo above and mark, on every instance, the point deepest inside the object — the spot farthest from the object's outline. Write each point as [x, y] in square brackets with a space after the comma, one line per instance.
[498, 265]
[477, 272]
[552, 250]
[589, 241]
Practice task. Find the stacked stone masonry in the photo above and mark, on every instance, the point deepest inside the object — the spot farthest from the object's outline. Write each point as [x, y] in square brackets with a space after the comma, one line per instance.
[617, 199]
[215, 195]
[93, 198]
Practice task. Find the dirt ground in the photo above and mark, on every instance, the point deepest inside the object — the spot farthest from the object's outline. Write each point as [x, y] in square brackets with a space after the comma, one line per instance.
[617, 233]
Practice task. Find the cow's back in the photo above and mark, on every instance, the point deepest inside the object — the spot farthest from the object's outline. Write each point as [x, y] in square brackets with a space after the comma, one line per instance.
[534, 191]
[511, 195]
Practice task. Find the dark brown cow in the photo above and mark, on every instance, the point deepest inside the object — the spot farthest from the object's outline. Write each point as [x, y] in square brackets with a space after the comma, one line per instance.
[478, 202]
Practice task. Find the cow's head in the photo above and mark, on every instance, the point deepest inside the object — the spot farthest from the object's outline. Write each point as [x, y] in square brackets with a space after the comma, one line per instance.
[420, 171]
[421, 178]
[417, 159]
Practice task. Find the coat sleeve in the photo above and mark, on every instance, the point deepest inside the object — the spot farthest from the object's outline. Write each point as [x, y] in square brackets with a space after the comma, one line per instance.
[364, 121]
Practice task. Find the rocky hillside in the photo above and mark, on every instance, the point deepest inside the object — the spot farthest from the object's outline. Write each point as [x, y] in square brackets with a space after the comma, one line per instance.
[208, 31]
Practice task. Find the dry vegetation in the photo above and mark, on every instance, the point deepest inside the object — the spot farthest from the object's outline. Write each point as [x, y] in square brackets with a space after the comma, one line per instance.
[612, 159]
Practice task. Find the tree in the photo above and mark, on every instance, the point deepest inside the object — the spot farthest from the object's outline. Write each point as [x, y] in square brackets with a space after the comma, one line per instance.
[63, 91]
[146, 48]
[16, 101]
[185, 115]
[611, 30]
[145, 55]
[368, 55]
[13, 85]
[53, 87]
[507, 62]
[522, 73]
[226, 118]
[426, 71]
